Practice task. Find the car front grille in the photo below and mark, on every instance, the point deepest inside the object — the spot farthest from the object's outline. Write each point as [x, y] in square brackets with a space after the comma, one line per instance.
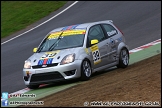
[42, 66]
[45, 77]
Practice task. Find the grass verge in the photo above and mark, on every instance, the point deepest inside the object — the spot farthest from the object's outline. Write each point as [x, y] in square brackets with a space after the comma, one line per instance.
[16, 15]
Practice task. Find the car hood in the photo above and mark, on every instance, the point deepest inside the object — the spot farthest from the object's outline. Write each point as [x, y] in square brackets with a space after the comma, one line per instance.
[52, 56]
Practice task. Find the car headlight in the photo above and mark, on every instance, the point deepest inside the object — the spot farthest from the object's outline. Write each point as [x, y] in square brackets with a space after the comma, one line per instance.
[68, 59]
[27, 64]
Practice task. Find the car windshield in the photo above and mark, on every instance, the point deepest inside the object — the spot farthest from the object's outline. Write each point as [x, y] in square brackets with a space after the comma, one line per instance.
[62, 40]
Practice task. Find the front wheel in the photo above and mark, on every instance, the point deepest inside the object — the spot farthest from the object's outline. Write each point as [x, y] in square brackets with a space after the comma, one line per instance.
[33, 86]
[86, 70]
[123, 58]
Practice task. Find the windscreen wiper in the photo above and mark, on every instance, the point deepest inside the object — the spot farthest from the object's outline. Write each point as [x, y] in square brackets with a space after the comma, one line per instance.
[54, 44]
[40, 48]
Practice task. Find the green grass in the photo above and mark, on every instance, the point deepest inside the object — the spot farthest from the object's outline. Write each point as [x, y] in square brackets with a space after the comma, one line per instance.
[17, 15]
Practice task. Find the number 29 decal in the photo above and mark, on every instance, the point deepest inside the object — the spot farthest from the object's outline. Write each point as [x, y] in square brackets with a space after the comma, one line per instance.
[95, 54]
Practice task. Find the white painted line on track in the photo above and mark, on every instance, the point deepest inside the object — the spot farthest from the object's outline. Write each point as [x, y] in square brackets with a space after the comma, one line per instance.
[41, 23]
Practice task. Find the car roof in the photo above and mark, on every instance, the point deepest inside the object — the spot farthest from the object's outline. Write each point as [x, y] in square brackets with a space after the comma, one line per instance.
[80, 26]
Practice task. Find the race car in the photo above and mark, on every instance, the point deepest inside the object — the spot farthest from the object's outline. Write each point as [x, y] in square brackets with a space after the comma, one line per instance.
[76, 51]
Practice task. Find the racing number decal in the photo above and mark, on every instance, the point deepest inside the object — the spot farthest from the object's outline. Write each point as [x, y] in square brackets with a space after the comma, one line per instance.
[49, 54]
[95, 54]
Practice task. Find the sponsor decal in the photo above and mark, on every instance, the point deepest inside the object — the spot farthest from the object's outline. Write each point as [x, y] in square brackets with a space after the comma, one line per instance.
[112, 42]
[111, 33]
[65, 33]
[119, 39]
[86, 50]
[45, 61]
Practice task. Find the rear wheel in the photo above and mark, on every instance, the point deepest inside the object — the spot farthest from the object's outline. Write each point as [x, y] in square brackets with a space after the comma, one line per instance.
[123, 58]
[33, 86]
[86, 70]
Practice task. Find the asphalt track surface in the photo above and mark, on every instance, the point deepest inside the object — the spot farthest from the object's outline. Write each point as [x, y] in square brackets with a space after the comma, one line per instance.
[140, 21]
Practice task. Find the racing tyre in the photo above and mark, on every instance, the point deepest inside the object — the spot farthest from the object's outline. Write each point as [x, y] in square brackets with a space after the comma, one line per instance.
[123, 58]
[86, 70]
[33, 86]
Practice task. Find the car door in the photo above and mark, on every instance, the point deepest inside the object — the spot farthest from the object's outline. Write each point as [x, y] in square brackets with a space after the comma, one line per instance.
[112, 41]
[99, 50]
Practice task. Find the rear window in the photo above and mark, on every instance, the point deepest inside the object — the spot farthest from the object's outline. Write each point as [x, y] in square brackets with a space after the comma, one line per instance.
[110, 30]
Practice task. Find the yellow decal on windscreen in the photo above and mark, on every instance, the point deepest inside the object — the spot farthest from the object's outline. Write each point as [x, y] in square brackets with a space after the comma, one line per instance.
[65, 33]
[95, 54]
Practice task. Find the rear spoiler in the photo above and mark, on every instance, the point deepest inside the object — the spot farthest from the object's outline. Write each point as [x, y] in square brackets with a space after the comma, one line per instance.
[110, 21]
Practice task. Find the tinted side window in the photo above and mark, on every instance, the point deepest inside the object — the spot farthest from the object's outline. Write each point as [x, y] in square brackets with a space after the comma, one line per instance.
[110, 30]
[96, 32]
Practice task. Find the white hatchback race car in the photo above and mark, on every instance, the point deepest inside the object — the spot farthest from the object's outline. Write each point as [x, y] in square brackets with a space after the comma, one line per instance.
[76, 51]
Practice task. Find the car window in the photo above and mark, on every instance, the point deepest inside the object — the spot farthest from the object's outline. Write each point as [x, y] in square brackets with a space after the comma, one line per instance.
[110, 30]
[95, 32]
[69, 39]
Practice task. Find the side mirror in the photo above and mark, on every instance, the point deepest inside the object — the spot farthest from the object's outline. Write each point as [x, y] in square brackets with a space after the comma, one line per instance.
[94, 41]
[35, 50]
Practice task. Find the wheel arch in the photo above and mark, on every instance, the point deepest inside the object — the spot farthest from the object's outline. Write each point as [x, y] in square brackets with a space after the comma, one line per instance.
[121, 46]
[83, 76]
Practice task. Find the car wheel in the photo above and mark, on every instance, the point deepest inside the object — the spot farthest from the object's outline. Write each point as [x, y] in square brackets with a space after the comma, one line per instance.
[86, 70]
[123, 58]
[33, 86]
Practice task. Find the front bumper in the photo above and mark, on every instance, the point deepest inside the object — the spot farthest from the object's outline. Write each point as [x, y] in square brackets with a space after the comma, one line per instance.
[52, 74]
